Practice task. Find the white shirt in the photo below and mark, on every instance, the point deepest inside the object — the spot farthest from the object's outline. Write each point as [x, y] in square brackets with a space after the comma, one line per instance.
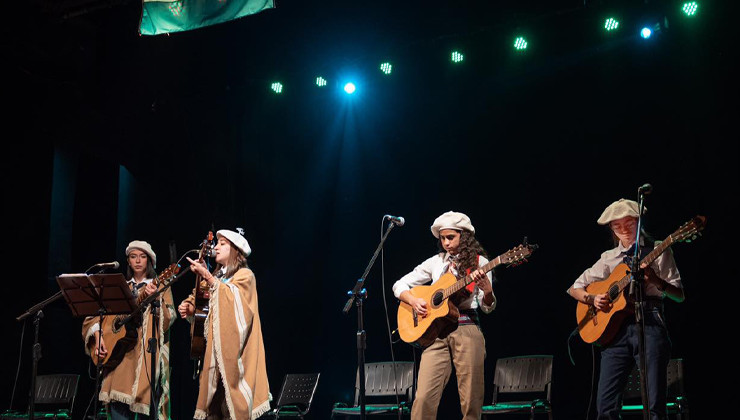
[664, 266]
[431, 270]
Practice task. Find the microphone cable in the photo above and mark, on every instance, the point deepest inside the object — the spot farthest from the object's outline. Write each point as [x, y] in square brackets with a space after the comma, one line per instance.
[18, 370]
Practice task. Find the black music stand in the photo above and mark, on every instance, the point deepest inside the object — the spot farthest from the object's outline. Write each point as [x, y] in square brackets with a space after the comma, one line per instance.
[97, 294]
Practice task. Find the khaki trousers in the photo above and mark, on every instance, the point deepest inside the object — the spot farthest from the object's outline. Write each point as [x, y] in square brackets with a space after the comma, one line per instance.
[465, 349]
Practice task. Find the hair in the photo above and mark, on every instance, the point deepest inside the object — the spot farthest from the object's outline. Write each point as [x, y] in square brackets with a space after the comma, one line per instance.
[151, 273]
[237, 260]
[468, 251]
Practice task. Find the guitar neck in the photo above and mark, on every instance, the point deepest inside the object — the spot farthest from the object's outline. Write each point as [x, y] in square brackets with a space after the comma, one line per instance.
[469, 279]
[649, 258]
[655, 253]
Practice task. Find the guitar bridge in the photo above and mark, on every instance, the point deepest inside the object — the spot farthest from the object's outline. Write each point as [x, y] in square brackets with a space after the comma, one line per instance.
[416, 317]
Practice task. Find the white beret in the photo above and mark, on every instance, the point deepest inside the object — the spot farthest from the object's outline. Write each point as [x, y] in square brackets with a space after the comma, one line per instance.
[237, 239]
[619, 209]
[143, 246]
[451, 220]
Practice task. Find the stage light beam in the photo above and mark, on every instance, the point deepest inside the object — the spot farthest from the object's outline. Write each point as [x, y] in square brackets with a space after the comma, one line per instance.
[350, 88]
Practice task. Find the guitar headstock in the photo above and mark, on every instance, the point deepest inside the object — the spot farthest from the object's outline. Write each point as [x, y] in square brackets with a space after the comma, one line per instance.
[519, 254]
[205, 245]
[168, 272]
[690, 230]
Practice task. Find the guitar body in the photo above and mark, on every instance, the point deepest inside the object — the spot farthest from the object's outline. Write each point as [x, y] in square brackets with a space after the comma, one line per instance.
[441, 317]
[122, 339]
[599, 327]
[197, 327]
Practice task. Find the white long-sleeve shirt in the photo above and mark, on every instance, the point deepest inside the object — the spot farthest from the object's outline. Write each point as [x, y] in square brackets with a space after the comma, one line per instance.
[664, 266]
[432, 269]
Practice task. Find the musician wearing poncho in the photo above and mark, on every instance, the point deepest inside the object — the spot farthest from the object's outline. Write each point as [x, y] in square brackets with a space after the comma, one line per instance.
[125, 389]
[233, 381]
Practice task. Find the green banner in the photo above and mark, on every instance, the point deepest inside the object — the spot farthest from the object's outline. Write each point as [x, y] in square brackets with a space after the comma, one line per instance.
[163, 17]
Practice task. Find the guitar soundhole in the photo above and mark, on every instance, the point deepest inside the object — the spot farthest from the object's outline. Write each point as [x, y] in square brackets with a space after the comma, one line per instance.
[437, 298]
[613, 292]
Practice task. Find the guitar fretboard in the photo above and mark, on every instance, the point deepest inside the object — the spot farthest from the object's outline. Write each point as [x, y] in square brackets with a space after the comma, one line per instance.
[649, 258]
[468, 279]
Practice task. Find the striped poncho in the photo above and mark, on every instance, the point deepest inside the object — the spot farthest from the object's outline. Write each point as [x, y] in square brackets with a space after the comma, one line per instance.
[235, 354]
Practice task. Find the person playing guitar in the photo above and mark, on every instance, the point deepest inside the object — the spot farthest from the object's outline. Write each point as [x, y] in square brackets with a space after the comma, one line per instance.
[620, 352]
[462, 345]
[126, 386]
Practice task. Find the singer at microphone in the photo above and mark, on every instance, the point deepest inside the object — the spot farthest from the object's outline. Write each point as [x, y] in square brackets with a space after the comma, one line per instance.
[397, 220]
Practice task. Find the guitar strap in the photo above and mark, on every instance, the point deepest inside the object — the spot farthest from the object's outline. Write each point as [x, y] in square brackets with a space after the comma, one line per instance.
[471, 286]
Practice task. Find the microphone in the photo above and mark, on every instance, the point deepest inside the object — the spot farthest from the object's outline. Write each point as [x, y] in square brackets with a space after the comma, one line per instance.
[397, 220]
[645, 189]
[112, 265]
[211, 252]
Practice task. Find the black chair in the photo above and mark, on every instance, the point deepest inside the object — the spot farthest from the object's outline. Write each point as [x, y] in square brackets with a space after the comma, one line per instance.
[676, 404]
[382, 383]
[527, 378]
[54, 398]
[295, 396]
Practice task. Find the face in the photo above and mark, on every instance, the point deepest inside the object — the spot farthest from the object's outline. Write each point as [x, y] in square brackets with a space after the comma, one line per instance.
[625, 229]
[450, 240]
[223, 250]
[137, 260]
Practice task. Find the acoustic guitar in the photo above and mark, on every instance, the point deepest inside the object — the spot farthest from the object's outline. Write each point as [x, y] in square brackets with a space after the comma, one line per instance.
[442, 314]
[595, 326]
[202, 295]
[120, 338]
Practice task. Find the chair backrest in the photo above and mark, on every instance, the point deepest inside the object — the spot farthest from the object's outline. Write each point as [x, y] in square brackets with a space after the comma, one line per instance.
[382, 380]
[56, 390]
[523, 374]
[298, 390]
[632, 390]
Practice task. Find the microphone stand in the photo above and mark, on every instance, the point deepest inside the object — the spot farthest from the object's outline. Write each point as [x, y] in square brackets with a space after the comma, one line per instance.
[636, 291]
[357, 295]
[153, 301]
[38, 313]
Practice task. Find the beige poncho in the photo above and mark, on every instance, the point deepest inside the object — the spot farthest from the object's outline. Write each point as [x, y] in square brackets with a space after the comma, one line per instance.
[235, 353]
[129, 381]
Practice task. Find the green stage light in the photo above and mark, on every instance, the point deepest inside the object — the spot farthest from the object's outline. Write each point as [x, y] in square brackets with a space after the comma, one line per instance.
[689, 8]
[277, 87]
[611, 24]
[386, 68]
[320, 81]
[520, 44]
[456, 57]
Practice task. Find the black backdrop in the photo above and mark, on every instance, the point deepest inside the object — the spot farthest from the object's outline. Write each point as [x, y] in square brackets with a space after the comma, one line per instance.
[114, 137]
